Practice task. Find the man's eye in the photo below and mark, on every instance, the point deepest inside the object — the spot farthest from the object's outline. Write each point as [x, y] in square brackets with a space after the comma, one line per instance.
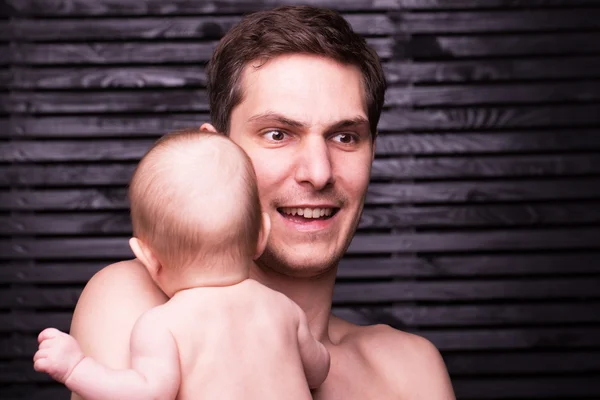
[345, 138]
[275, 135]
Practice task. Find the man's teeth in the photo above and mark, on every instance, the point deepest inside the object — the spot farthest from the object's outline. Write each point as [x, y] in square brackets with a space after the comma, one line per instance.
[308, 212]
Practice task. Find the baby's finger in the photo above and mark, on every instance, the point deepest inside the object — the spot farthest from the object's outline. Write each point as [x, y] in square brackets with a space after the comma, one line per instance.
[47, 343]
[41, 365]
[48, 333]
[39, 355]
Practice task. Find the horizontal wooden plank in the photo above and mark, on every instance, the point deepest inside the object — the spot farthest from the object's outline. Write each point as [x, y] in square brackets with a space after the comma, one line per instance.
[387, 144]
[426, 168]
[514, 338]
[104, 126]
[184, 76]
[523, 363]
[21, 346]
[451, 266]
[419, 47]
[400, 316]
[83, 77]
[214, 27]
[526, 215]
[488, 142]
[559, 388]
[482, 191]
[90, 199]
[467, 119]
[410, 316]
[490, 167]
[443, 47]
[29, 391]
[497, 240]
[501, 21]
[107, 102]
[524, 116]
[59, 273]
[457, 364]
[552, 387]
[182, 7]
[112, 174]
[446, 291]
[144, 28]
[78, 199]
[508, 93]
[179, 100]
[490, 70]
[432, 267]
[134, 52]
[556, 289]
[177, 7]
[34, 322]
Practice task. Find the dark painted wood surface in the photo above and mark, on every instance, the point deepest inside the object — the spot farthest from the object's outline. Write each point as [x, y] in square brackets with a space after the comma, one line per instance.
[481, 229]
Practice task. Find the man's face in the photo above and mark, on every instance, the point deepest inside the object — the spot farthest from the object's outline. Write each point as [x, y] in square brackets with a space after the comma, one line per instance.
[303, 122]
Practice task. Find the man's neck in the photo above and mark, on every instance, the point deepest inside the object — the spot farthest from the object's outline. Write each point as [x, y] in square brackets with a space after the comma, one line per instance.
[313, 295]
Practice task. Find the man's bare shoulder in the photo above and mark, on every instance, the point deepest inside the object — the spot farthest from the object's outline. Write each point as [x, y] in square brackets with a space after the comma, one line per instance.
[112, 301]
[406, 360]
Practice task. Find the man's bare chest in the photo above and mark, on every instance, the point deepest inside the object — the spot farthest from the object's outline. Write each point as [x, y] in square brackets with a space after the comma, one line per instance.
[353, 380]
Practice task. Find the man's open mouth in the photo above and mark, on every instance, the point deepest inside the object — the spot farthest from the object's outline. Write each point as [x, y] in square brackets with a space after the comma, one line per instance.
[306, 214]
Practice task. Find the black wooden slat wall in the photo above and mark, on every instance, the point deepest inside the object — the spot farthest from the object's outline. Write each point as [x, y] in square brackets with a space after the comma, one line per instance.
[482, 224]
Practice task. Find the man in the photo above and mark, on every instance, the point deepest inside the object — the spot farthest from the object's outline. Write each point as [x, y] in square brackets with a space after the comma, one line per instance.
[302, 95]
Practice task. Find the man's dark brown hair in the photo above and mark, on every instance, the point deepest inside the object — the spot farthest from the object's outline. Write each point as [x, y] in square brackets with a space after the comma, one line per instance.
[285, 30]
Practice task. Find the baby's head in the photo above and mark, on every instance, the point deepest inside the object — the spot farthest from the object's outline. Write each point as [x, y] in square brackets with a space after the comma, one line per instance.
[194, 203]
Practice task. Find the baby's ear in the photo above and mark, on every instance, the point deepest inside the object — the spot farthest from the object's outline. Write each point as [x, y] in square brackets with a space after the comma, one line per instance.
[146, 256]
[263, 235]
[206, 127]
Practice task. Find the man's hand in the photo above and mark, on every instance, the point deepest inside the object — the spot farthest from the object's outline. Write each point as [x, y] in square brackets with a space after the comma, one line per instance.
[58, 354]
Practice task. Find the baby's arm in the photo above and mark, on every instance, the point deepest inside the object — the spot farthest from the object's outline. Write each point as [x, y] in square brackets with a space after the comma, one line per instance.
[154, 372]
[313, 353]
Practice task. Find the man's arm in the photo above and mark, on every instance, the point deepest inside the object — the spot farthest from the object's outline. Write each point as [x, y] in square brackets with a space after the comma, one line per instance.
[107, 310]
[314, 355]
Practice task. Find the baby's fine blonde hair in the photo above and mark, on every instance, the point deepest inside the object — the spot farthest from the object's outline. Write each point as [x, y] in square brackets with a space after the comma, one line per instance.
[194, 198]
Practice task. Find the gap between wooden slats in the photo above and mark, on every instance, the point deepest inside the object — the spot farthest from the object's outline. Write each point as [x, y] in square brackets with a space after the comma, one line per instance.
[214, 27]
[181, 100]
[180, 76]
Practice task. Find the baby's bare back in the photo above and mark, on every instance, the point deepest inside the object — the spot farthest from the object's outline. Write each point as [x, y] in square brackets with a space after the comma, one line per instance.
[237, 342]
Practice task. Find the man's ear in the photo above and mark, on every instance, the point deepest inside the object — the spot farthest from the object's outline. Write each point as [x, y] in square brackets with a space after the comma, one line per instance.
[208, 127]
[146, 256]
[263, 235]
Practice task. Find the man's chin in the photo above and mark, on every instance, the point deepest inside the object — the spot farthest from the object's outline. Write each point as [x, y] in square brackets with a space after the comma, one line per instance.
[297, 265]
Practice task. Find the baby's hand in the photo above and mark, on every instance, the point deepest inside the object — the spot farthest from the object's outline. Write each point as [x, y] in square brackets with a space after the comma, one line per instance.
[58, 354]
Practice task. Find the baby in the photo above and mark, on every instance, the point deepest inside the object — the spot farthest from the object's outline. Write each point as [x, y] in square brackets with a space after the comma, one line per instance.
[197, 227]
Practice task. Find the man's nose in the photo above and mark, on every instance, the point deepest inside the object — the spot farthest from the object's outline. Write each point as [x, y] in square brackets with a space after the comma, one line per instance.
[314, 164]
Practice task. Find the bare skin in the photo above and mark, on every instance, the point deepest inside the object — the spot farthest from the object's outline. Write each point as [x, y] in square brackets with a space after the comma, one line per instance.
[300, 124]
[255, 334]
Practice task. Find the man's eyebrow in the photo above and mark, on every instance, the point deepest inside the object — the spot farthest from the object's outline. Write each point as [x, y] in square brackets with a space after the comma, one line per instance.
[351, 123]
[270, 116]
